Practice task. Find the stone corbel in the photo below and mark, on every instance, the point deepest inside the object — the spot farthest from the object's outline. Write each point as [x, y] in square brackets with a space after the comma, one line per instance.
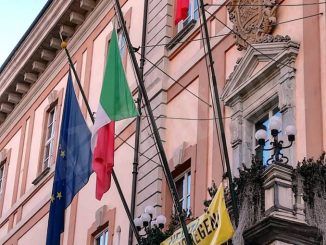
[99, 216]
[178, 154]
[53, 96]
[236, 125]
[286, 88]
[287, 82]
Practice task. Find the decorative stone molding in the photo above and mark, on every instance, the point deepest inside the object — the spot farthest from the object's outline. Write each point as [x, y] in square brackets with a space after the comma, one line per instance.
[104, 218]
[281, 224]
[279, 198]
[262, 78]
[253, 22]
[53, 96]
[274, 230]
[178, 154]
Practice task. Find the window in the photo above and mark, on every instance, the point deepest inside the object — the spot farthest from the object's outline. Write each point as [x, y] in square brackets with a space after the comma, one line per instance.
[102, 229]
[49, 139]
[102, 238]
[183, 185]
[263, 123]
[122, 44]
[193, 14]
[2, 172]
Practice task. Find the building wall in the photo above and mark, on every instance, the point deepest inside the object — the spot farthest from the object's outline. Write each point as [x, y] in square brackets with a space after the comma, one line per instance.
[184, 63]
[24, 220]
[24, 206]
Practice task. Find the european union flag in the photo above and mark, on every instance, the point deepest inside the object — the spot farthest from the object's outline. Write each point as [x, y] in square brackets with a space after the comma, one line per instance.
[73, 166]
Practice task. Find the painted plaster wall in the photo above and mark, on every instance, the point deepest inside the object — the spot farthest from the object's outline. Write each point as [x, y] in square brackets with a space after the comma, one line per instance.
[136, 8]
[88, 205]
[37, 137]
[86, 208]
[183, 106]
[322, 28]
[42, 196]
[184, 58]
[295, 30]
[35, 145]
[98, 64]
[82, 76]
[13, 145]
[33, 205]
[36, 235]
[23, 158]
[4, 229]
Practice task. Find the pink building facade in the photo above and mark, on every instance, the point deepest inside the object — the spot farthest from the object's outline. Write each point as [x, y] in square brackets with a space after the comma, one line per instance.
[281, 71]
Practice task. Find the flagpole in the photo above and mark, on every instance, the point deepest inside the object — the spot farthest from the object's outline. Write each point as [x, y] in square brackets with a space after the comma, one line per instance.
[115, 179]
[138, 121]
[157, 136]
[217, 109]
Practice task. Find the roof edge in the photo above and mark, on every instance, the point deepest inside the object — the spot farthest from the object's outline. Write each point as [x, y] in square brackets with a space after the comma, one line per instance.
[23, 38]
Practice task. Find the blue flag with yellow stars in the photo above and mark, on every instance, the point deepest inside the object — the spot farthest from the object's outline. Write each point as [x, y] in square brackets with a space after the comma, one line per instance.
[73, 165]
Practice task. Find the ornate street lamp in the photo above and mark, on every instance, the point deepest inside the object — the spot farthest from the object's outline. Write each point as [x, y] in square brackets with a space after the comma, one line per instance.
[275, 126]
[152, 227]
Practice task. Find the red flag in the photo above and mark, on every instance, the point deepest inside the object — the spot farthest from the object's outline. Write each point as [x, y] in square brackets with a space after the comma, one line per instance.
[103, 159]
[181, 13]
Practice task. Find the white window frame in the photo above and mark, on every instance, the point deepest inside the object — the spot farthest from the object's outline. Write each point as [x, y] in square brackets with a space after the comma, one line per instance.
[101, 233]
[49, 141]
[248, 91]
[190, 17]
[122, 44]
[270, 113]
[185, 194]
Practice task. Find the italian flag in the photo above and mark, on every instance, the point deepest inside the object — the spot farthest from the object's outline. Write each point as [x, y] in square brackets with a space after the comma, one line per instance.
[116, 103]
[181, 12]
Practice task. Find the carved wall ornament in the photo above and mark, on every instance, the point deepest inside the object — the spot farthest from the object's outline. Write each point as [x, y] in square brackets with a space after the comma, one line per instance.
[253, 20]
[52, 97]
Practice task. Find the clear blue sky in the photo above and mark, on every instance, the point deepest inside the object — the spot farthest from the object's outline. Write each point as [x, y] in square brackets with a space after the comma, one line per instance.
[15, 18]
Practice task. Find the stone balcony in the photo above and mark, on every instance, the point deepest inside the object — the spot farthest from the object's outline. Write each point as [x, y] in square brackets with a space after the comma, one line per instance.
[282, 220]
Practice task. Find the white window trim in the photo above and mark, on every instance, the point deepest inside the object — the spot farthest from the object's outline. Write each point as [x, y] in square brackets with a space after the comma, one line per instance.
[184, 175]
[265, 110]
[102, 232]
[50, 140]
[248, 91]
[190, 17]
[122, 44]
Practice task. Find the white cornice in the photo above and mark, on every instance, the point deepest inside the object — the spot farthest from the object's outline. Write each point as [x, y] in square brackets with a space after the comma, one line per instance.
[32, 42]
[53, 69]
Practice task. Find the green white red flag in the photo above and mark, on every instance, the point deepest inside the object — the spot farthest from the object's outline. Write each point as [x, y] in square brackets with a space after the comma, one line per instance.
[116, 103]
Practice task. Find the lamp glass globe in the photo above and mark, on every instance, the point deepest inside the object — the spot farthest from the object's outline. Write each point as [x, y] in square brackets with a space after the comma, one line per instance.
[150, 210]
[138, 222]
[161, 219]
[261, 134]
[290, 130]
[275, 123]
[145, 217]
